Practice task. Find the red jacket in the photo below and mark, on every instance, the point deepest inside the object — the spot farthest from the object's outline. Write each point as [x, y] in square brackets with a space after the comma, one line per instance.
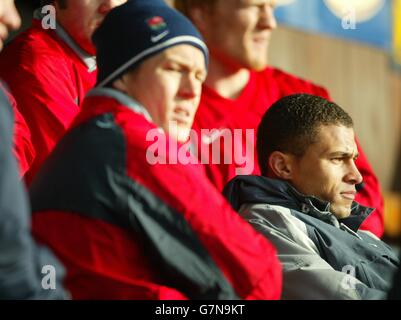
[23, 149]
[263, 89]
[127, 228]
[48, 79]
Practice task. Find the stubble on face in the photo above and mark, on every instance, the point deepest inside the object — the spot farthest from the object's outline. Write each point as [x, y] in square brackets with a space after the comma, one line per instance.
[327, 169]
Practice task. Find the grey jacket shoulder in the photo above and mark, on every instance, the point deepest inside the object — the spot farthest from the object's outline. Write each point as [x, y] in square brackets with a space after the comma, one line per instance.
[306, 275]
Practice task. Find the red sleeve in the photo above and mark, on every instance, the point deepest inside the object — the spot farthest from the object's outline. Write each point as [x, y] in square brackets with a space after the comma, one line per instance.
[370, 195]
[23, 149]
[43, 87]
[246, 258]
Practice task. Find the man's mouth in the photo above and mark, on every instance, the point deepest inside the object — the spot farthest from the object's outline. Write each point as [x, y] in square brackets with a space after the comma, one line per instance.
[350, 195]
[98, 23]
[261, 37]
[181, 116]
[181, 121]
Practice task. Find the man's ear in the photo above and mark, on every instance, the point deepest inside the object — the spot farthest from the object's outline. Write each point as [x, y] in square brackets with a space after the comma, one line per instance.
[280, 164]
[120, 85]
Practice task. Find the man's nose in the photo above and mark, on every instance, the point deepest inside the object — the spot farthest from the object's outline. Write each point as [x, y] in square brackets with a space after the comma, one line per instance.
[354, 176]
[107, 5]
[11, 17]
[190, 87]
[267, 19]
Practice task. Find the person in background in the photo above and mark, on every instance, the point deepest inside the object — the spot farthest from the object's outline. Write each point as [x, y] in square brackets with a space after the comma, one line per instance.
[22, 261]
[125, 220]
[49, 71]
[241, 86]
[22, 145]
[304, 203]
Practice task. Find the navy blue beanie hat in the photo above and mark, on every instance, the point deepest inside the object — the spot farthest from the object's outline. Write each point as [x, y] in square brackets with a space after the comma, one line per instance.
[137, 30]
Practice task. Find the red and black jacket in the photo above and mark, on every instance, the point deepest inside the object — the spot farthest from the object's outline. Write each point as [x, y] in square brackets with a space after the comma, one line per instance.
[126, 229]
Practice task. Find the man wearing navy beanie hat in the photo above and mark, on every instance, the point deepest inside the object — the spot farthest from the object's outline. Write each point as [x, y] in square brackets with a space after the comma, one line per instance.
[124, 43]
[155, 28]
[127, 221]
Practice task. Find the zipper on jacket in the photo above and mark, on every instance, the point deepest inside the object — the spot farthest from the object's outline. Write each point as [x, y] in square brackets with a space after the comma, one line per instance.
[345, 228]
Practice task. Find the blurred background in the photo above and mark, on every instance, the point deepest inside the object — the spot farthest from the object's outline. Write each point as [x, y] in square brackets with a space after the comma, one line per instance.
[353, 48]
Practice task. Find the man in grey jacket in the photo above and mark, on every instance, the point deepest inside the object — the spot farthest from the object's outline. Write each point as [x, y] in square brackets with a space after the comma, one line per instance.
[304, 203]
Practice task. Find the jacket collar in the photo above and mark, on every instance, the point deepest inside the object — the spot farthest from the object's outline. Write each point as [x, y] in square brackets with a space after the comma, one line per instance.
[122, 98]
[87, 59]
[258, 189]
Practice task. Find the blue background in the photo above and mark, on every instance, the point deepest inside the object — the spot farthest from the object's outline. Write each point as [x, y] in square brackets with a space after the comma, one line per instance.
[315, 16]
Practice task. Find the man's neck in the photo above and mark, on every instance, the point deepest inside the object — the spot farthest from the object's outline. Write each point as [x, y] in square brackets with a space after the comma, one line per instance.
[227, 81]
[87, 48]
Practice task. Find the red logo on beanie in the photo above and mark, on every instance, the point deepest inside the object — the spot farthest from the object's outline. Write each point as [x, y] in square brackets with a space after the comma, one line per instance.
[156, 23]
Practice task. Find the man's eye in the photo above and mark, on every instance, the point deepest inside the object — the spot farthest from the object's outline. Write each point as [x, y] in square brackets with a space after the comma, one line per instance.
[173, 68]
[201, 76]
[336, 160]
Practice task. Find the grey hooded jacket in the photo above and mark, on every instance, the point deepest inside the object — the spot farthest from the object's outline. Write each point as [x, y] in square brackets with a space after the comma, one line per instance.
[27, 270]
[322, 257]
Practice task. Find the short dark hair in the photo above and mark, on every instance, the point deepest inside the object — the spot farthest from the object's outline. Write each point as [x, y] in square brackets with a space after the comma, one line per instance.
[292, 123]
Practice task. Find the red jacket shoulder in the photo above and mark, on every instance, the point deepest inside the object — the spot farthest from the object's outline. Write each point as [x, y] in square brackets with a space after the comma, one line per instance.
[291, 84]
[34, 47]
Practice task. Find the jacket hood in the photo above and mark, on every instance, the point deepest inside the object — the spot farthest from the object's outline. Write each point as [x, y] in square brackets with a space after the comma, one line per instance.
[258, 189]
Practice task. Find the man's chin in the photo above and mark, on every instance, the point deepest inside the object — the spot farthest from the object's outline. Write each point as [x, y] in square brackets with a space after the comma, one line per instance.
[90, 49]
[257, 64]
[341, 212]
[180, 134]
